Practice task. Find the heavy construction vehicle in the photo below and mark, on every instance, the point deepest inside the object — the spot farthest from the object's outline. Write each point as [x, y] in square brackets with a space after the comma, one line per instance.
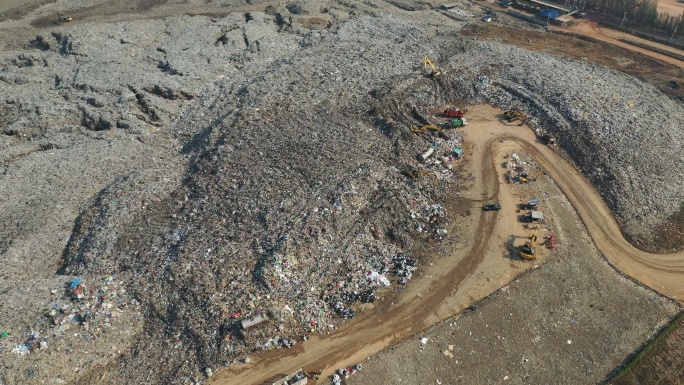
[513, 115]
[525, 177]
[527, 251]
[415, 172]
[456, 122]
[425, 128]
[64, 19]
[453, 112]
[432, 71]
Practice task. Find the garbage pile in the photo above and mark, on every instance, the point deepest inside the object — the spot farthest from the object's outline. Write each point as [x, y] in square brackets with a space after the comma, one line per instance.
[278, 342]
[296, 378]
[431, 220]
[439, 156]
[517, 170]
[403, 267]
[275, 139]
[84, 310]
[91, 308]
[344, 373]
[31, 343]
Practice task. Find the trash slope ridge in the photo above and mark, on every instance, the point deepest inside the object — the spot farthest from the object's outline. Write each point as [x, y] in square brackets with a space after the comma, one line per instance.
[237, 164]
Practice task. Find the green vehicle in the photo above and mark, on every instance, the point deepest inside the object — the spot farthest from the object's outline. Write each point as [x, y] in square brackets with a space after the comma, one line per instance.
[456, 122]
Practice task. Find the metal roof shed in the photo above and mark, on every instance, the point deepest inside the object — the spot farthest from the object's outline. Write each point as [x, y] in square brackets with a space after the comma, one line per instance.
[552, 14]
[537, 216]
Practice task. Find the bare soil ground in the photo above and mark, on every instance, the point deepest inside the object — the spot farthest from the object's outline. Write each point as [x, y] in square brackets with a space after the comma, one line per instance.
[673, 7]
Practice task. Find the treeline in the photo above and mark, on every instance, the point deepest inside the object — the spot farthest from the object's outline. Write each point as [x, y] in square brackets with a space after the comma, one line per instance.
[640, 14]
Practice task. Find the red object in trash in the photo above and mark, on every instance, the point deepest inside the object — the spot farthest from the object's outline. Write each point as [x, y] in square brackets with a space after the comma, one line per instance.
[552, 242]
[313, 323]
[236, 315]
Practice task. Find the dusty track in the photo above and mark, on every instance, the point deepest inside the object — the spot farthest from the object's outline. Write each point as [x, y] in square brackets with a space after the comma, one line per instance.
[592, 29]
[424, 304]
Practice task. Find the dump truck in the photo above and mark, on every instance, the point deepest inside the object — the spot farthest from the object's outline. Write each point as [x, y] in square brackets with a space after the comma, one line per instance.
[535, 216]
[456, 122]
[453, 112]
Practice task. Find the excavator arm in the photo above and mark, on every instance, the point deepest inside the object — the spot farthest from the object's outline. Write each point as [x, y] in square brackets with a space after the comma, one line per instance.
[433, 71]
[424, 128]
[533, 238]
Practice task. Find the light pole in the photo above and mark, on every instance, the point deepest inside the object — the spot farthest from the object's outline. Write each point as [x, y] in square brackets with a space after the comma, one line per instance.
[624, 18]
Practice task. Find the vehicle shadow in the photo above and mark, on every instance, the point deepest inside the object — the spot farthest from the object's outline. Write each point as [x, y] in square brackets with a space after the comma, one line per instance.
[511, 249]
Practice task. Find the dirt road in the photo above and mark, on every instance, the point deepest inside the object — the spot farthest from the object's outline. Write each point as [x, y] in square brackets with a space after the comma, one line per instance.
[437, 295]
[592, 29]
[673, 7]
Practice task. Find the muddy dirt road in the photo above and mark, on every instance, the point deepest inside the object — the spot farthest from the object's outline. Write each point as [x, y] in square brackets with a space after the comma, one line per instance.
[436, 295]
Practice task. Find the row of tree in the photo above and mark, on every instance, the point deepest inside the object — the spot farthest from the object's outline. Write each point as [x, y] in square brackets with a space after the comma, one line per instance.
[640, 14]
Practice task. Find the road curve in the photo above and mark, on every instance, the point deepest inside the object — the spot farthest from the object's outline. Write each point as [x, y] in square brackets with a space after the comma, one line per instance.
[663, 273]
[415, 310]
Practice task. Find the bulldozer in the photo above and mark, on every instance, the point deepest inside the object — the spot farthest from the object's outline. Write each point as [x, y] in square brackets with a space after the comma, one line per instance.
[64, 19]
[513, 115]
[527, 251]
[432, 71]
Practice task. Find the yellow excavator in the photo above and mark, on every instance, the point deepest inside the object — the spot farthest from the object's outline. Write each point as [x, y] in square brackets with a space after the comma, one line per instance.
[426, 127]
[528, 250]
[414, 172]
[525, 177]
[513, 115]
[433, 71]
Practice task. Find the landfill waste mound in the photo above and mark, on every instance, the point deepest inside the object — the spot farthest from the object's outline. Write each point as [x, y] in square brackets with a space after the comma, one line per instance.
[198, 174]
